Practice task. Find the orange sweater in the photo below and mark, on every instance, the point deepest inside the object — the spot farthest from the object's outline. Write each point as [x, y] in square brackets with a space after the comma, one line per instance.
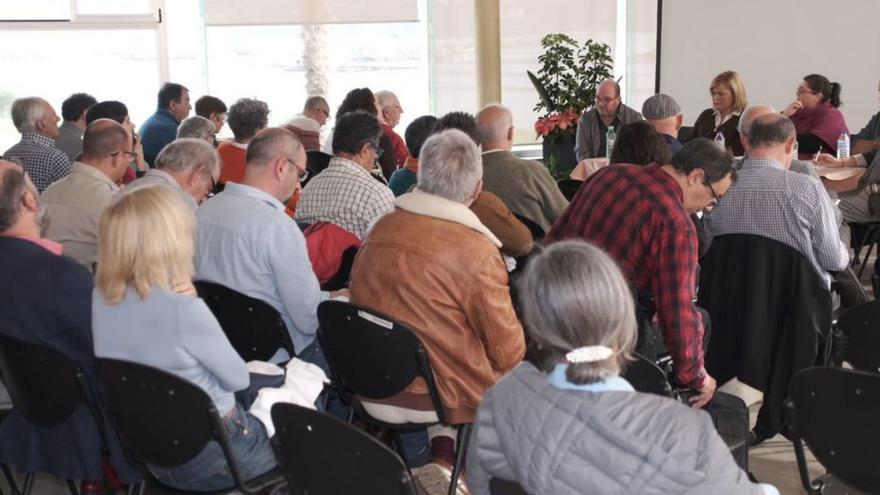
[232, 159]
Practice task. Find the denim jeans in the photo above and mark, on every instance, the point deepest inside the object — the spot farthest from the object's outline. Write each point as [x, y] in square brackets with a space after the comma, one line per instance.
[209, 471]
[313, 353]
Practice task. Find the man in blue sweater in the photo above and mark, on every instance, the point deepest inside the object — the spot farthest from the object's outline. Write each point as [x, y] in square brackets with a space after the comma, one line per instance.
[161, 128]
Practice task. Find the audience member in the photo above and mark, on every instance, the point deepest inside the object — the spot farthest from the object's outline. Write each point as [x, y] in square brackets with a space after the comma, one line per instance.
[745, 121]
[770, 202]
[526, 187]
[47, 300]
[161, 128]
[197, 127]
[37, 122]
[363, 99]
[70, 134]
[416, 134]
[516, 238]
[815, 115]
[213, 109]
[389, 115]
[593, 125]
[345, 194]
[432, 265]
[868, 138]
[74, 204]
[571, 423]
[664, 114]
[145, 310]
[188, 166]
[117, 111]
[641, 216]
[639, 144]
[729, 99]
[247, 117]
[307, 131]
[317, 109]
[246, 242]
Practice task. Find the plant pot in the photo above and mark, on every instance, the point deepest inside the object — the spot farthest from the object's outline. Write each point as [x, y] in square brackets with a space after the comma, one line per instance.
[559, 155]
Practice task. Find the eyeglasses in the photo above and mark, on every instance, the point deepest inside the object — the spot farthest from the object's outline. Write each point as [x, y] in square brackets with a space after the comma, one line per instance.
[715, 196]
[303, 172]
[801, 90]
[377, 149]
[325, 112]
[211, 192]
[130, 154]
[605, 99]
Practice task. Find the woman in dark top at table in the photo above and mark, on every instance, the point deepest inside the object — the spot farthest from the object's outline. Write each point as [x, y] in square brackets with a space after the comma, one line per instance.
[729, 100]
[816, 116]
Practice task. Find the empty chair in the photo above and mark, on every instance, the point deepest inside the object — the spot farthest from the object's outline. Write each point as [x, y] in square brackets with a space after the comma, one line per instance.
[835, 412]
[321, 455]
[857, 339]
[254, 328]
[165, 421]
[47, 388]
[374, 358]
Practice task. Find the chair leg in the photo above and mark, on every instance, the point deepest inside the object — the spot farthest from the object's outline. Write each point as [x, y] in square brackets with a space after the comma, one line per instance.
[71, 486]
[13, 486]
[867, 255]
[461, 443]
[398, 444]
[28, 484]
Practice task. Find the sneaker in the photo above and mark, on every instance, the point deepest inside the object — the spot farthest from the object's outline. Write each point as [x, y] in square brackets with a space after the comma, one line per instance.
[434, 478]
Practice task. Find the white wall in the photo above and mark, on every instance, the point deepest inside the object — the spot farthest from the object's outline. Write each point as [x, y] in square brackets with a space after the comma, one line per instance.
[773, 44]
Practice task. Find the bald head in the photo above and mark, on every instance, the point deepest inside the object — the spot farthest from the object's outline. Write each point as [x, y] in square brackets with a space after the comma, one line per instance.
[750, 114]
[276, 160]
[495, 125]
[608, 98]
[389, 107]
[104, 138]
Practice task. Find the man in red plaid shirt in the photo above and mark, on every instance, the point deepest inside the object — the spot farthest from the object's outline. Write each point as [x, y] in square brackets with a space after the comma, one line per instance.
[641, 217]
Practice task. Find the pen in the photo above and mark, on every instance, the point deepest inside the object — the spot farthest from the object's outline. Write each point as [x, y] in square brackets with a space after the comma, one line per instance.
[816, 158]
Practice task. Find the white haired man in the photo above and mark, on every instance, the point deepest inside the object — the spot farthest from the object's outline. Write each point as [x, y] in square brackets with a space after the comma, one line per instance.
[389, 114]
[37, 122]
[431, 265]
[526, 187]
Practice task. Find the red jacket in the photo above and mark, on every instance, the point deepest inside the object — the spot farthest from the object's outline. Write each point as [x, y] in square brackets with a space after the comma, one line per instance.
[326, 243]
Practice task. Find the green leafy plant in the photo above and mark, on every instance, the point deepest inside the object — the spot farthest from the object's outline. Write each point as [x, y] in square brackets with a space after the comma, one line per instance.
[569, 74]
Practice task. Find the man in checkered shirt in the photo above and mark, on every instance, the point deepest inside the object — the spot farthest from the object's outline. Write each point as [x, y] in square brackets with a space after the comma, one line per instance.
[345, 194]
[37, 122]
[640, 215]
[771, 201]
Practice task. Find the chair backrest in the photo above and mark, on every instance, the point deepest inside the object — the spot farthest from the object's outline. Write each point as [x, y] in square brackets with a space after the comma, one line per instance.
[321, 455]
[44, 384]
[161, 418]
[254, 328]
[569, 187]
[646, 376]
[835, 412]
[498, 486]
[371, 355]
[860, 329]
[316, 162]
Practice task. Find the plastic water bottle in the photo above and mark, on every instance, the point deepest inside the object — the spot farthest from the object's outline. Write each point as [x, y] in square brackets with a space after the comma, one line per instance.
[610, 136]
[719, 140]
[794, 151]
[843, 146]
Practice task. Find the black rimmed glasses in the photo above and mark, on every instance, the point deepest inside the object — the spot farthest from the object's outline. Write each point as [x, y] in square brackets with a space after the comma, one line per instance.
[712, 190]
[303, 172]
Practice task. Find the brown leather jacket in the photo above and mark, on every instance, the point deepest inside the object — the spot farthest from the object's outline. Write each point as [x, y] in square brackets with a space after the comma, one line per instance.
[445, 279]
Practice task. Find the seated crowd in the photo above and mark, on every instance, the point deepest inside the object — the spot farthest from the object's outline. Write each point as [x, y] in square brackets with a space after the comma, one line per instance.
[530, 308]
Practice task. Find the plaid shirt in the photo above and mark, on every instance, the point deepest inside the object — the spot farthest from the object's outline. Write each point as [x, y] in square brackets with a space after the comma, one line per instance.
[636, 214]
[345, 195]
[792, 208]
[43, 162]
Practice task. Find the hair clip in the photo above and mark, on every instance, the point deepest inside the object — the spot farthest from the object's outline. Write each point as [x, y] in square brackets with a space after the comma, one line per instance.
[589, 354]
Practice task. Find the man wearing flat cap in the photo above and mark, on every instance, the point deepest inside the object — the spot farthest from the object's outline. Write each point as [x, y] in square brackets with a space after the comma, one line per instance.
[664, 114]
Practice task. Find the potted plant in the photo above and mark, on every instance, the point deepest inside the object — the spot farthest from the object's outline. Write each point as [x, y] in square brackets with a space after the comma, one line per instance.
[566, 84]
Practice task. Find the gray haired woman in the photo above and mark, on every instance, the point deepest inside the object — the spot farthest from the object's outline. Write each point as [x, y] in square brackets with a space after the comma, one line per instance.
[572, 424]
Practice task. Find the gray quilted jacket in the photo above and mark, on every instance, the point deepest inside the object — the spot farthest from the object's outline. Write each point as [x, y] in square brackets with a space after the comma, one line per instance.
[565, 442]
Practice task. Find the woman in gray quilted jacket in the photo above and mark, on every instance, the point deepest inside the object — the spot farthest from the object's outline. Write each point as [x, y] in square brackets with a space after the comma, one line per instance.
[573, 425]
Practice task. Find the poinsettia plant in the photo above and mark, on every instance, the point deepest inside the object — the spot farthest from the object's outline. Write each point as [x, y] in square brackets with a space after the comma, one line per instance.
[557, 124]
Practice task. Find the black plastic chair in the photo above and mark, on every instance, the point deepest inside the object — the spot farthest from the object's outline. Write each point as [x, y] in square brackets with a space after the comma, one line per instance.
[373, 357]
[316, 162]
[569, 187]
[321, 455]
[254, 328]
[863, 234]
[835, 411]
[165, 421]
[645, 376]
[47, 387]
[498, 486]
[857, 337]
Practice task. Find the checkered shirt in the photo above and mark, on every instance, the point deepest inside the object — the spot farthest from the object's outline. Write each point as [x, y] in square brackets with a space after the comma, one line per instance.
[43, 162]
[345, 195]
[792, 208]
[636, 214]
